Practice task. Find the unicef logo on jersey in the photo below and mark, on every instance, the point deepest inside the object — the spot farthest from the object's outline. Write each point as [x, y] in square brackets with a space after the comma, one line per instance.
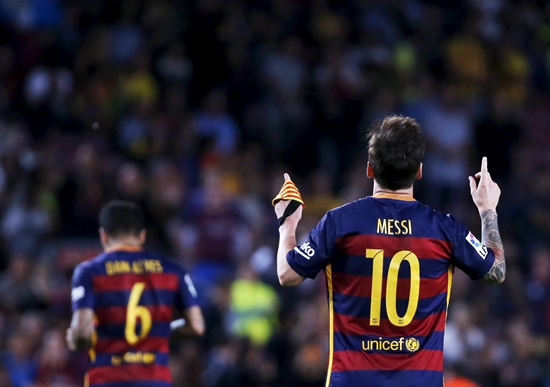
[412, 344]
[393, 344]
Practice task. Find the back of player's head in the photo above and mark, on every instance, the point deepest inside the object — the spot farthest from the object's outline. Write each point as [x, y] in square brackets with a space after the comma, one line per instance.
[396, 149]
[120, 218]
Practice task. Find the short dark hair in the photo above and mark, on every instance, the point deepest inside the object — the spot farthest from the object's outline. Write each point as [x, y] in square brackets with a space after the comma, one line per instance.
[121, 217]
[396, 149]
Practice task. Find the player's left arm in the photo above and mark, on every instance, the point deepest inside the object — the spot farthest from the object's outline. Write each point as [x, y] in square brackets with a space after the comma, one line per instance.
[491, 238]
[187, 302]
[79, 334]
[486, 196]
[192, 323]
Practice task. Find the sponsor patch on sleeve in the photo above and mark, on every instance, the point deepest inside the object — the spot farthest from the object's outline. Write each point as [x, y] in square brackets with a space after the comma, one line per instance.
[305, 251]
[77, 293]
[480, 247]
[190, 286]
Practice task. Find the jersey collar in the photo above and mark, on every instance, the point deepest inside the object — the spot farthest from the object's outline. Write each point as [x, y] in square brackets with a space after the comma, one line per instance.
[126, 248]
[406, 198]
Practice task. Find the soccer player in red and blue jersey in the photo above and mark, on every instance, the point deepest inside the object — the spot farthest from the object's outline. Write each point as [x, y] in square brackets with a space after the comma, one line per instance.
[389, 261]
[124, 301]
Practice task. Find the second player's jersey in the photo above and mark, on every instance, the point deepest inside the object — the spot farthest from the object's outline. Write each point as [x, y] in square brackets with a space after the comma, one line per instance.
[133, 294]
[389, 263]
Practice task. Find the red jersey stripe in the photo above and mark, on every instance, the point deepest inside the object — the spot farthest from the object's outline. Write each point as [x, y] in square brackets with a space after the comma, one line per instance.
[361, 286]
[422, 247]
[423, 360]
[105, 283]
[148, 344]
[117, 314]
[129, 373]
[351, 325]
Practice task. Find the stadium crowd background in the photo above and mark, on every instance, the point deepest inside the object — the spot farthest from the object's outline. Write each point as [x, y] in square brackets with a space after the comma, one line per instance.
[195, 108]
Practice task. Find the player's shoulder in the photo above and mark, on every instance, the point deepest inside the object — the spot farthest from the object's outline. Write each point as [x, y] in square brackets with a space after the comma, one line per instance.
[91, 263]
[448, 223]
[88, 268]
[348, 209]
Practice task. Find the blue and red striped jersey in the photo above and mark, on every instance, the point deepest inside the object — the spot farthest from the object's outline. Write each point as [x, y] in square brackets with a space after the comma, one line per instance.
[388, 262]
[133, 294]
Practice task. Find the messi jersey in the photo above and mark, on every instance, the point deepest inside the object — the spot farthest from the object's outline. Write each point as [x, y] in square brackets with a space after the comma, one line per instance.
[133, 294]
[389, 265]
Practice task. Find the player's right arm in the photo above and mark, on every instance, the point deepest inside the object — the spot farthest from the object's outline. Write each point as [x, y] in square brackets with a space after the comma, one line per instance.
[81, 330]
[79, 334]
[287, 241]
[486, 195]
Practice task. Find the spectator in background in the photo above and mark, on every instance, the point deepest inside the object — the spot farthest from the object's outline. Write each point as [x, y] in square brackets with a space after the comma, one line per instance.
[212, 234]
[16, 281]
[538, 291]
[5, 377]
[253, 308]
[18, 360]
[285, 74]
[214, 124]
[497, 135]
[448, 132]
[26, 222]
[466, 61]
[134, 132]
[83, 192]
[464, 341]
[56, 368]
[455, 378]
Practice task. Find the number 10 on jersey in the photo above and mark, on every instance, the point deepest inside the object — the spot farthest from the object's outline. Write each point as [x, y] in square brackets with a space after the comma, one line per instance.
[391, 286]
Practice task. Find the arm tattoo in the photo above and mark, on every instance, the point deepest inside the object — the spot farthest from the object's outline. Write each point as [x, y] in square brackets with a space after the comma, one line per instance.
[491, 238]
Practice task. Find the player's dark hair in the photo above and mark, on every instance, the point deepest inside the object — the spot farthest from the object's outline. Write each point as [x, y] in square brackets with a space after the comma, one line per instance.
[121, 217]
[396, 149]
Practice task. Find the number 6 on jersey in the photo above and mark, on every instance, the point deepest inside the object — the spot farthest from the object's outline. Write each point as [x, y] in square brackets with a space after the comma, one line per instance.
[134, 312]
[391, 286]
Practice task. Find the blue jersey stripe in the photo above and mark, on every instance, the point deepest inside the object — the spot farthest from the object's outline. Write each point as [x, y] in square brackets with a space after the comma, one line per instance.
[149, 383]
[361, 266]
[387, 378]
[360, 306]
[343, 342]
[149, 297]
[116, 331]
[107, 359]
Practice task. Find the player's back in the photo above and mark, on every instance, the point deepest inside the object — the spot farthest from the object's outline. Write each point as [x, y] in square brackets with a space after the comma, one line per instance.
[389, 283]
[134, 296]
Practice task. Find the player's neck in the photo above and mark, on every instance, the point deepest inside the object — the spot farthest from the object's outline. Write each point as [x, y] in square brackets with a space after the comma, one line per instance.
[377, 190]
[122, 243]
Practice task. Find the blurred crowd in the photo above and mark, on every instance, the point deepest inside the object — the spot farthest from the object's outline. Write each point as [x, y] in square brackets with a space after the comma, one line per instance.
[195, 108]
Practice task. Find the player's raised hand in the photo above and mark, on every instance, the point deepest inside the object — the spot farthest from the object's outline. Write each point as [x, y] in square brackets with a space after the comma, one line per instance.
[486, 193]
[282, 204]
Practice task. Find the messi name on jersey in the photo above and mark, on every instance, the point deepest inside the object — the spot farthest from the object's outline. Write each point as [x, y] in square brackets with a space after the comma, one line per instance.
[394, 227]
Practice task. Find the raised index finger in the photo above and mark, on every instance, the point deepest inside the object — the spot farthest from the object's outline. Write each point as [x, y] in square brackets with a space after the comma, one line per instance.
[484, 165]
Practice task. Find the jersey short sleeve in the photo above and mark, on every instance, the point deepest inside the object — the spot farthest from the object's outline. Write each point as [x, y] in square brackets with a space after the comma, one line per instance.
[314, 254]
[469, 254]
[187, 294]
[82, 293]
